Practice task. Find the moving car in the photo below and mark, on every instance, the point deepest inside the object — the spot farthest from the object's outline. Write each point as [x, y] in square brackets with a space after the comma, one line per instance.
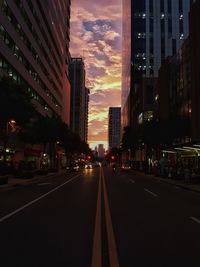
[73, 167]
[88, 165]
[126, 167]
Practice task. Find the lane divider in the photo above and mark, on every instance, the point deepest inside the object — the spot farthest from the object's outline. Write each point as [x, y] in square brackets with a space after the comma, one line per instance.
[37, 199]
[97, 248]
[112, 248]
[132, 181]
[153, 194]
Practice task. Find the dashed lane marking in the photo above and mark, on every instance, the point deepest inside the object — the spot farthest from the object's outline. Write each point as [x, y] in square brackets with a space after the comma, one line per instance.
[132, 181]
[153, 194]
[195, 219]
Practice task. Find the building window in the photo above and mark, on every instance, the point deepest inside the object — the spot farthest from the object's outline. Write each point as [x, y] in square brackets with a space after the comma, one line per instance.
[170, 27]
[162, 7]
[169, 6]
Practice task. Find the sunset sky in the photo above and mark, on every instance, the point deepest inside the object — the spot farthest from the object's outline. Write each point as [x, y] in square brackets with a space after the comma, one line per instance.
[96, 36]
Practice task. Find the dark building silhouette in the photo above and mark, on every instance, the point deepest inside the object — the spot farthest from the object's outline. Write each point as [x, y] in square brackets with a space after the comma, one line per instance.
[114, 127]
[79, 98]
[152, 30]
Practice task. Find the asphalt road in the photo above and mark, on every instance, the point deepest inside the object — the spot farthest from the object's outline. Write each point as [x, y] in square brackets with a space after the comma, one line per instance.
[95, 218]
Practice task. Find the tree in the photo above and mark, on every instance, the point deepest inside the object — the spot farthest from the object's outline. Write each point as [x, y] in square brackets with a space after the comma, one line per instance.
[15, 104]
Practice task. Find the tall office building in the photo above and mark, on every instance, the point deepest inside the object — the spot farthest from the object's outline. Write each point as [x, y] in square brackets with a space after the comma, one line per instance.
[195, 69]
[34, 50]
[79, 98]
[114, 127]
[152, 30]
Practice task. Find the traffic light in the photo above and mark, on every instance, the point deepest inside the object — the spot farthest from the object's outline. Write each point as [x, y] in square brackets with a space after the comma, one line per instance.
[113, 157]
[89, 157]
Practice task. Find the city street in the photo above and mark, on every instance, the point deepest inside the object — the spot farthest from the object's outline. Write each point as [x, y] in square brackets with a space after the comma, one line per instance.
[99, 218]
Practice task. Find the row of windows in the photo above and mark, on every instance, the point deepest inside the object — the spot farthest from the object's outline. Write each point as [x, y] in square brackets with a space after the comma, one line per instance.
[43, 32]
[140, 28]
[18, 78]
[48, 29]
[18, 53]
[35, 35]
[138, 15]
[142, 35]
[25, 40]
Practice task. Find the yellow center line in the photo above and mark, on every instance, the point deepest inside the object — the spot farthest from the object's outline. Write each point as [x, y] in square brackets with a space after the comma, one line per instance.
[96, 252]
[113, 257]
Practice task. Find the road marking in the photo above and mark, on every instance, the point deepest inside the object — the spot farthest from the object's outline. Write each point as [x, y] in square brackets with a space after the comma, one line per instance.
[36, 200]
[153, 194]
[195, 219]
[132, 181]
[44, 184]
[96, 250]
[112, 248]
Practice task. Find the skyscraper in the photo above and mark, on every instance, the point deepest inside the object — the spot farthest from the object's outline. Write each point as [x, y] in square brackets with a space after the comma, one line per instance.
[34, 50]
[114, 127]
[152, 30]
[195, 69]
[79, 98]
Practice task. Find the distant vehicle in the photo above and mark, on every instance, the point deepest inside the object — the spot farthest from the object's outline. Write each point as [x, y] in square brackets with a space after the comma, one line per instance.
[88, 165]
[126, 167]
[97, 164]
[114, 168]
[73, 167]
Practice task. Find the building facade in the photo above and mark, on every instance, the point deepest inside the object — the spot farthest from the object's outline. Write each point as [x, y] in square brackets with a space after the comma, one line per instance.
[34, 51]
[114, 127]
[195, 69]
[79, 98]
[152, 30]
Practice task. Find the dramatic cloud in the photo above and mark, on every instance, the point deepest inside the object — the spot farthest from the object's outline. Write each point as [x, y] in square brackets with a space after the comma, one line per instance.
[96, 36]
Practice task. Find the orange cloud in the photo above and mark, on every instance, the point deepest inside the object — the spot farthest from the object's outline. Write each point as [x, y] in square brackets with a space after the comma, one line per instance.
[96, 36]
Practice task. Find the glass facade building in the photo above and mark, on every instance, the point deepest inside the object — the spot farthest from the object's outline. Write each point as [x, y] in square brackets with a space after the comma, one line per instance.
[34, 50]
[152, 30]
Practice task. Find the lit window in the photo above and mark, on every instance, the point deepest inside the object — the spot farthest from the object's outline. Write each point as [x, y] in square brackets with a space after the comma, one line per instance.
[141, 35]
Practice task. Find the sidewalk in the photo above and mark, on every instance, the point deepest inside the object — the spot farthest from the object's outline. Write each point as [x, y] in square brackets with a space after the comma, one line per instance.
[14, 182]
[180, 183]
